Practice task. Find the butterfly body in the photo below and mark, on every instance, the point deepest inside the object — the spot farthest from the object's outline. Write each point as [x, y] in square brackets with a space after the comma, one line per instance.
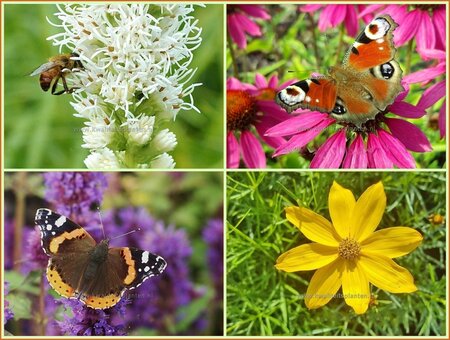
[80, 268]
[368, 80]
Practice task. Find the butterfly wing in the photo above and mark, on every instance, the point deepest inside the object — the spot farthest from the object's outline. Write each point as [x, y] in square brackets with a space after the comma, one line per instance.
[370, 78]
[125, 268]
[316, 94]
[68, 246]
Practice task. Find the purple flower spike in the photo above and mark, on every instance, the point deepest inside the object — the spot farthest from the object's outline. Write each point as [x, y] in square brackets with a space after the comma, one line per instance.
[91, 322]
[213, 236]
[76, 194]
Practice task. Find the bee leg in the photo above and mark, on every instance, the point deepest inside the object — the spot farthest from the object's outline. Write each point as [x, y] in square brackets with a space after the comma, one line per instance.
[55, 84]
[66, 88]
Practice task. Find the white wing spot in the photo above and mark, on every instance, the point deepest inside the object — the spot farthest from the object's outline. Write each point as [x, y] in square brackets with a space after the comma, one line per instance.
[146, 269]
[49, 227]
[317, 100]
[53, 233]
[381, 48]
[139, 270]
[380, 41]
[307, 99]
[145, 255]
[60, 221]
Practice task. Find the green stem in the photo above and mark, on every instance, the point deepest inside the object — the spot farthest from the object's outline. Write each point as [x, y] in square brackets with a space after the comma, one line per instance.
[340, 45]
[408, 56]
[314, 40]
[233, 56]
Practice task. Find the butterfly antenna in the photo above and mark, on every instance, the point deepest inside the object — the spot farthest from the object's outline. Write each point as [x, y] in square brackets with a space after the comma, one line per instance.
[128, 233]
[101, 222]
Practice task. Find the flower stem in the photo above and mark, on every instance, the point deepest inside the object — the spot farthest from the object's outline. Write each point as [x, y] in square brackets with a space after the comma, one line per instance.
[233, 56]
[20, 181]
[314, 41]
[408, 57]
[341, 42]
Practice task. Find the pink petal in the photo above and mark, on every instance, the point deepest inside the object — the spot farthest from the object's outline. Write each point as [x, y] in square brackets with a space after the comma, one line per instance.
[234, 84]
[377, 158]
[236, 31]
[406, 110]
[396, 151]
[407, 29]
[256, 11]
[331, 153]
[326, 18]
[370, 10]
[301, 139]
[252, 151]
[409, 134]
[426, 36]
[356, 157]
[310, 8]
[248, 26]
[262, 127]
[439, 21]
[272, 109]
[232, 151]
[351, 21]
[431, 95]
[260, 81]
[397, 12]
[339, 13]
[299, 124]
[273, 82]
[432, 54]
[424, 75]
[442, 119]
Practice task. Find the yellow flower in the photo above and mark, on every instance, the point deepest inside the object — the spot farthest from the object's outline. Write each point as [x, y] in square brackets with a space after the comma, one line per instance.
[348, 252]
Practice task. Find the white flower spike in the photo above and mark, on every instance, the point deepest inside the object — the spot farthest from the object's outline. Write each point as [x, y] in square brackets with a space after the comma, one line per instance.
[135, 77]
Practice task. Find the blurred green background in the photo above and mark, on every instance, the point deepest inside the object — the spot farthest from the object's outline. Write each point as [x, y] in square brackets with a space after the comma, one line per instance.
[40, 130]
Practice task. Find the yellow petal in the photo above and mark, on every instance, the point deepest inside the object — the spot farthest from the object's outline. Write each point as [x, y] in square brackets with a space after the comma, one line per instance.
[324, 284]
[355, 287]
[341, 203]
[392, 242]
[368, 212]
[313, 226]
[386, 274]
[306, 257]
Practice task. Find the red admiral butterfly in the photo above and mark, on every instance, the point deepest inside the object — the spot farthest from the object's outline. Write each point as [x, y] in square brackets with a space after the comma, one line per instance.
[80, 268]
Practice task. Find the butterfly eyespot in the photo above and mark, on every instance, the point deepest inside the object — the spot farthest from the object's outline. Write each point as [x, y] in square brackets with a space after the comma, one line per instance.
[387, 70]
[339, 108]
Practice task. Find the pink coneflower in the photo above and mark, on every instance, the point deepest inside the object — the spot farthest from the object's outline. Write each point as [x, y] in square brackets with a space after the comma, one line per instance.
[333, 15]
[252, 106]
[426, 23]
[379, 143]
[436, 91]
[239, 22]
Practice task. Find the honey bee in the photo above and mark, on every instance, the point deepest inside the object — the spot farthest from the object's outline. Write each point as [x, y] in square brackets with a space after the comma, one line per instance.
[57, 68]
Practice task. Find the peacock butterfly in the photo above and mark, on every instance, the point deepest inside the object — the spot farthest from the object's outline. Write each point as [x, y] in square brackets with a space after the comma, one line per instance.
[368, 80]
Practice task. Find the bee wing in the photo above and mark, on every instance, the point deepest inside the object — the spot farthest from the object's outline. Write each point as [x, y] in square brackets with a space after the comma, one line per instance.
[43, 68]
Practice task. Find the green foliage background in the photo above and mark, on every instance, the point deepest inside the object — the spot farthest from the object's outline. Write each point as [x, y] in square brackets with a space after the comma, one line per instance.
[292, 47]
[40, 131]
[263, 301]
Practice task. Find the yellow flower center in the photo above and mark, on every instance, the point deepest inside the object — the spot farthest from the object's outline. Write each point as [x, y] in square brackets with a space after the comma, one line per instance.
[241, 110]
[349, 249]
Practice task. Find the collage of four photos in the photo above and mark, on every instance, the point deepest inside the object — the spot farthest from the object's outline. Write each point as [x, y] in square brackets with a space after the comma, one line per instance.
[224, 169]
